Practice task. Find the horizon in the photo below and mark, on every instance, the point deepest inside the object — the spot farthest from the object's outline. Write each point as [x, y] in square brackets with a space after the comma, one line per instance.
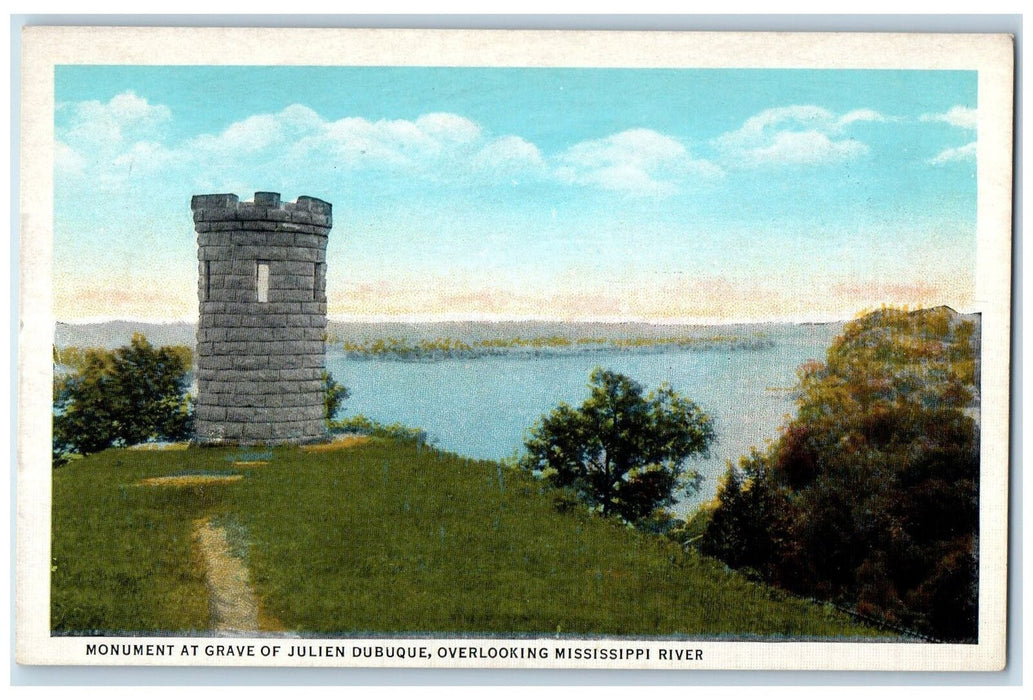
[679, 196]
[427, 320]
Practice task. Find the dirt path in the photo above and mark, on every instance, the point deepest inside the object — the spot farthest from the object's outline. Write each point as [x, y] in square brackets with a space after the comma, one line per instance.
[233, 605]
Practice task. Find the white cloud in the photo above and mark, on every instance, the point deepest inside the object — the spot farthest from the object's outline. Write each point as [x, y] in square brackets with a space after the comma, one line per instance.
[247, 136]
[641, 148]
[97, 144]
[354, 142]
[509, 153]
[300, 118]
[262, 141]
[959, 116]
[628, 178]
[124, 117]
[435, 147]
[636, 161]
[395, 144]
[953, 155]
[802, 148]
[757, 125]
[94, 147]
[861, 115]
[448, 127]
[797, 134]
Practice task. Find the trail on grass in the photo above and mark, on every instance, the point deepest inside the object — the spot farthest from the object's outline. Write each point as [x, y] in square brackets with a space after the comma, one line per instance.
[233, 605]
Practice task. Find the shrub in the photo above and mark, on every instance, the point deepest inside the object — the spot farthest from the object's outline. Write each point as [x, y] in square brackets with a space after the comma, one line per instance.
[333, 397]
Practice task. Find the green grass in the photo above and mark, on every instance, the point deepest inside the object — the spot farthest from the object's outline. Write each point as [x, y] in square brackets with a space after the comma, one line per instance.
[388, 537]
[123, 557]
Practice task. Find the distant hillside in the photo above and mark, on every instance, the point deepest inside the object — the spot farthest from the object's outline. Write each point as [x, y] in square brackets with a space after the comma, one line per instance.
[113, 334]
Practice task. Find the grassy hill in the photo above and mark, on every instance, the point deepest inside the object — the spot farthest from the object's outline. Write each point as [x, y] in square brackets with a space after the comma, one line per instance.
[385, 537]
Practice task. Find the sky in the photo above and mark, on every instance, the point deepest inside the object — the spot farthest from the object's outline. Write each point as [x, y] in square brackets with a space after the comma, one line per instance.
[667, 195]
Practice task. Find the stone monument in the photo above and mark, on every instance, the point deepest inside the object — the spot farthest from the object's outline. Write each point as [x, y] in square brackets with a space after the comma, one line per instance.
[262, 326]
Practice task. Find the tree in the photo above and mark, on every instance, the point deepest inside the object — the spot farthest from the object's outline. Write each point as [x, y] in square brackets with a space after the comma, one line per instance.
[621, 452]
[745, 529]
[123, 397]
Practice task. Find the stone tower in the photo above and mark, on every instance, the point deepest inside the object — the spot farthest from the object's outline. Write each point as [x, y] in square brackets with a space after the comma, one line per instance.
[260, 336]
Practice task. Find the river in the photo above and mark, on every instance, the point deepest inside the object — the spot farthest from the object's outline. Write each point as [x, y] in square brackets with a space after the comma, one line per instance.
[482, 407]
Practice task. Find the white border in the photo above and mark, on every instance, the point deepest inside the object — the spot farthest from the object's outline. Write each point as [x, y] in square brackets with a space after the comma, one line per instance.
[990, 55]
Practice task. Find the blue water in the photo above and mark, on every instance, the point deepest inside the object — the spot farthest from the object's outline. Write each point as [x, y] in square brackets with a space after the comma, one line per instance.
[482, 407]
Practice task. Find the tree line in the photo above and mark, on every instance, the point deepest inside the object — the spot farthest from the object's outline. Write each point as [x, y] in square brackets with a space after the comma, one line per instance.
[870, 496]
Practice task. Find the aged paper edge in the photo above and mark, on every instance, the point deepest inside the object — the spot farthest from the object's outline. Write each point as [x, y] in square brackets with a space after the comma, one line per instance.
[989, 54]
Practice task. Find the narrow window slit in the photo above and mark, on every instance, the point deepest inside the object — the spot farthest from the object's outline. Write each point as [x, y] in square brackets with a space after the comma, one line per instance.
[263, 282]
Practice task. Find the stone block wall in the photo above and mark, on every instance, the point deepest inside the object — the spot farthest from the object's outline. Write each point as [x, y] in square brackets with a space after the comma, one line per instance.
[260, 361]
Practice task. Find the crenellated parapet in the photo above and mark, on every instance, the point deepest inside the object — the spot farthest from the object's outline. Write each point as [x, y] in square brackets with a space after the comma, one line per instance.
[218, 212]
[262, 324]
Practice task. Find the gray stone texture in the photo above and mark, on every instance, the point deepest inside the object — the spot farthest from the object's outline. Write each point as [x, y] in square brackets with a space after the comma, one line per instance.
[260, 364]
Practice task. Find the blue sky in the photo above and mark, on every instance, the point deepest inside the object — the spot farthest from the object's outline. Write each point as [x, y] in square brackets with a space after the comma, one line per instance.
[557, 193]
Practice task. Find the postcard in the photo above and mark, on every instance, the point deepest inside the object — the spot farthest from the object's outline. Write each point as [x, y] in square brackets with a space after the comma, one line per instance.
[514, 349]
